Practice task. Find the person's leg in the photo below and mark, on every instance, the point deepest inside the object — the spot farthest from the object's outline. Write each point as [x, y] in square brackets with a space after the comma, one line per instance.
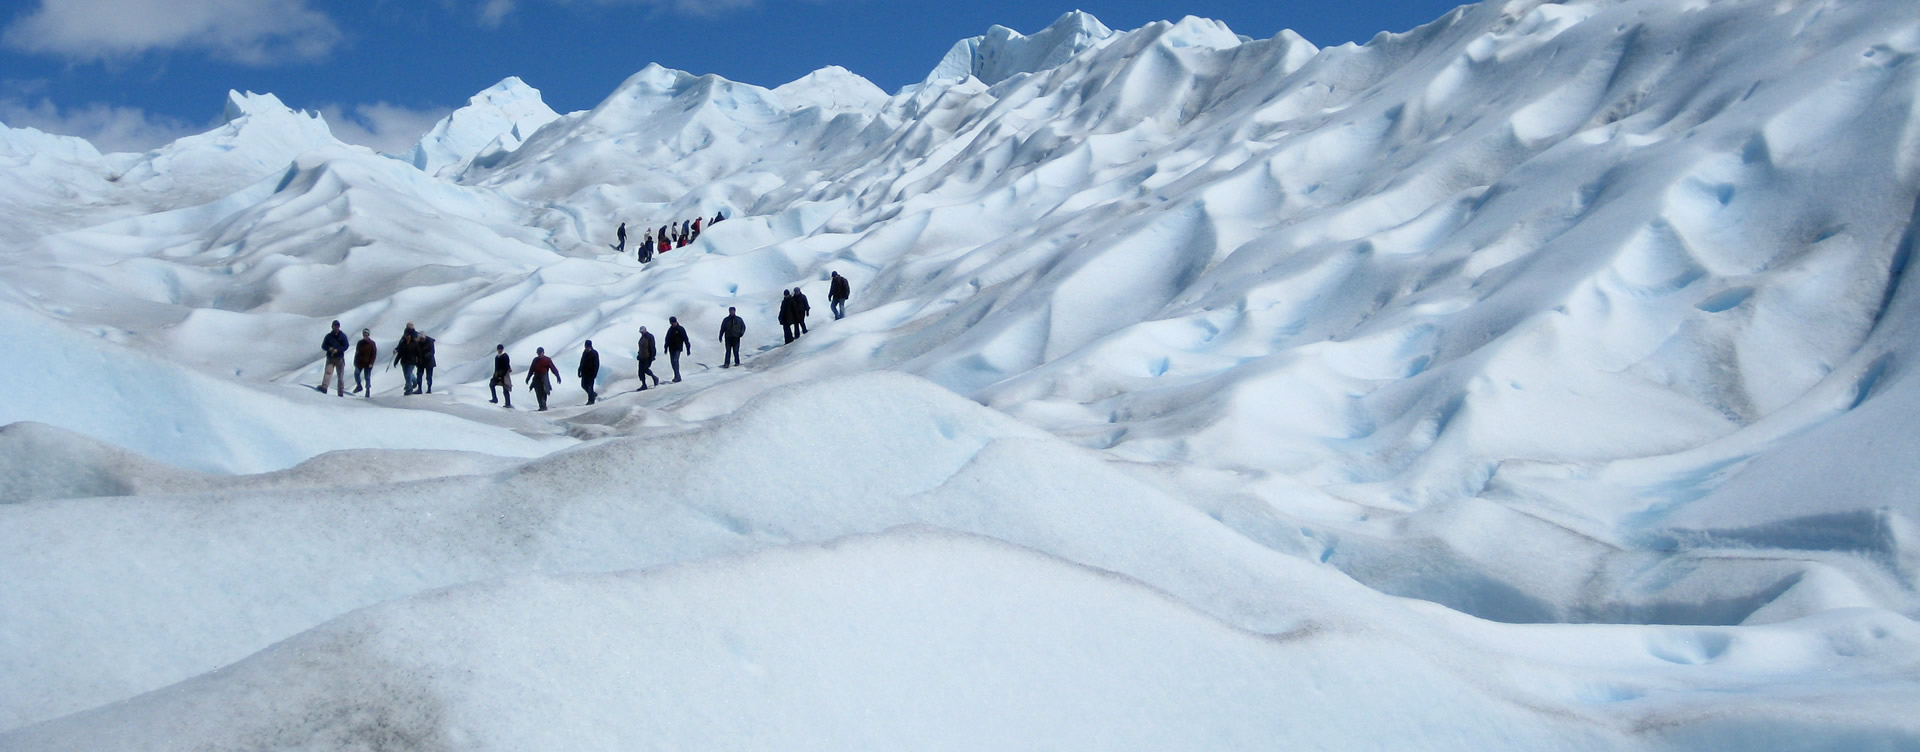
[429, 376]
[675, 358]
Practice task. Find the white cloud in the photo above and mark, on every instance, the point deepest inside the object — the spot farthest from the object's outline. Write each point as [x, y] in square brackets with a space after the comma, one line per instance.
[253, 32]
[383, 127]
[110, 128]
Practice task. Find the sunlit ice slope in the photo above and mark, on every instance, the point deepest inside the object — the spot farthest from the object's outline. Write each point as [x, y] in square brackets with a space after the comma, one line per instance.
[1545, 312]
[1560, 268]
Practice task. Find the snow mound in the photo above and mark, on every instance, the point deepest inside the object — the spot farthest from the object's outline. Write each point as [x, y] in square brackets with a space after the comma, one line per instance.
[915, 637]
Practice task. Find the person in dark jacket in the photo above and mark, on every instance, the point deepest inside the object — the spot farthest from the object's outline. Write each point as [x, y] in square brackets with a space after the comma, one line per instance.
[542, 376]
[334, 347]
[731, 330]
[677, 343]
[787, 327]
[365, 354]
[502, 375]
[424, 355]
[718, 217]
[589, 371]
[800, 311]
[645, 353]
[406, 355]
[837, 293]
[646, 248]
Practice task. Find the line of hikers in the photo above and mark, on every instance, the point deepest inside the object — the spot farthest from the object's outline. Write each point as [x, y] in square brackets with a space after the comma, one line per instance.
[543, 375]
[415, 352]
[671, 236]
[414, 355]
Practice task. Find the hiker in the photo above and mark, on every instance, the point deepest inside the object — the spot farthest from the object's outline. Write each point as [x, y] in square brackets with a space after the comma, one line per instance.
[731, 330]
[786, 315]
[365, 354]
[589, 371]
[621, 247]
[677, 343]
[837, 293]
[645, 355]
[423, 355]
[334, 345]
[800, 311]
[696, 227]
[646, 248]
[538, 376]
[718, 217]
[502, 376]
[406, 355]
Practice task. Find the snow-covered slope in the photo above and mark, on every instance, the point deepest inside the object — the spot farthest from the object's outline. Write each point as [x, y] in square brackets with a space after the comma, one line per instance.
[1546, 313]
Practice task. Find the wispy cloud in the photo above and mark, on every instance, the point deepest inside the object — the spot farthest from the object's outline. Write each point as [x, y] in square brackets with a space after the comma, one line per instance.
[493, 12]
[251, 32]
[110, 128]
[383, 127]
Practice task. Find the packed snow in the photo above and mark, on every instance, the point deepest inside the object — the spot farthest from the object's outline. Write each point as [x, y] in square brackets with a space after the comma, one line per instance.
[1534, 379]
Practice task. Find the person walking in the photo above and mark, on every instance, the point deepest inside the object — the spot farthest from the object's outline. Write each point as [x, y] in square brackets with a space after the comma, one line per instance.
[837, 293]
[542, 376]
[677, 342]
[424, 355]
[731, 330]
[645, 353]
[502, 376]
[589, 371]
[365, 354]
[646, 248]
[406, 356]
[800, 311]
[334, 346]
[621, 247]
[786, 316]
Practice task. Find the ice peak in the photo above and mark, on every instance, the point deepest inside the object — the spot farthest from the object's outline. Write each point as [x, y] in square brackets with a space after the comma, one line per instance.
[1003, 53]
[499, 118]
[241, 105]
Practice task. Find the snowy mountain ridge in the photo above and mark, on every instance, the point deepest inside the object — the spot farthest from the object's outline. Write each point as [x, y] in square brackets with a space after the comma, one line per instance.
[1559, 349]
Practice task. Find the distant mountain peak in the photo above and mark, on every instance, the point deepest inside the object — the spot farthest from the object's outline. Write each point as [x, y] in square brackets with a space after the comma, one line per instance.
[1003, 53]
[499, 118]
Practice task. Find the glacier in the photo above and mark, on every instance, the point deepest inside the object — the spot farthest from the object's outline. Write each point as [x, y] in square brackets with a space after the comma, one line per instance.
[1536, 378]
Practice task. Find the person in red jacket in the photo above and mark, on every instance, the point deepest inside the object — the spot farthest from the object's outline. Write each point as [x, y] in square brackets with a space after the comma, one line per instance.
[365, 354]
[537, 376]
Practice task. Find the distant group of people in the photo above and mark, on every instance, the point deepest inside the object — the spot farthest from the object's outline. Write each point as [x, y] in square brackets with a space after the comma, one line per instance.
[670, 236]
[414, 355]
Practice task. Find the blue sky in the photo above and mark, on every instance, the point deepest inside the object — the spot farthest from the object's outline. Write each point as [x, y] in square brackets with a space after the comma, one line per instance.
[133, 74]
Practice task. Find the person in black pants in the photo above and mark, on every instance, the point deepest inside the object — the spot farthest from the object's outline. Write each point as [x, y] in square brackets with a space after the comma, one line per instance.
[589, 371]
[731, 330]
[502, 375]
[644, 353]
[677, 343]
